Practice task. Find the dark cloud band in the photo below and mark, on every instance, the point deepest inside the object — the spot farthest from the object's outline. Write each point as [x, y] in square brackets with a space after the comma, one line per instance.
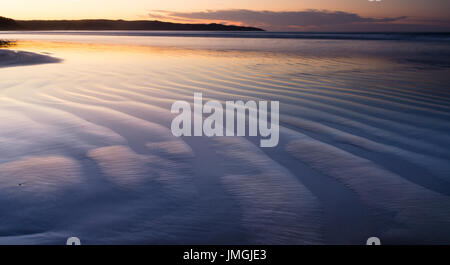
[272, 19]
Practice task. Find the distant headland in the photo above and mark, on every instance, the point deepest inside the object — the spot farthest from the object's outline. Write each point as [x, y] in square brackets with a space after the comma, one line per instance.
[104, 24]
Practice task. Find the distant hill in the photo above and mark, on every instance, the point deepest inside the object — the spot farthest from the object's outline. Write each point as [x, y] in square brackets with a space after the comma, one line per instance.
[7, 23]
[103, 24]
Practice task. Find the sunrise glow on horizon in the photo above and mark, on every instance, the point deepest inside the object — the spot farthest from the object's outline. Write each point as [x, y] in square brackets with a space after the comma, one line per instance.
[412, 11]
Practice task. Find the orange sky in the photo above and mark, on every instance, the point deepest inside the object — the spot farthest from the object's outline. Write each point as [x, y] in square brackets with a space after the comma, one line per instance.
[132, 9]
[430, 10]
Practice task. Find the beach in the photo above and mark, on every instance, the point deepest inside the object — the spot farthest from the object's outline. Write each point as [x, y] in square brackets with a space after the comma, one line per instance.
[87, 149]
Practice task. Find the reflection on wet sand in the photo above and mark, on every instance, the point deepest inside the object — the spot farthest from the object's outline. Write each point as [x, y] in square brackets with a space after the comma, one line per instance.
[363, 141]
[6, 43]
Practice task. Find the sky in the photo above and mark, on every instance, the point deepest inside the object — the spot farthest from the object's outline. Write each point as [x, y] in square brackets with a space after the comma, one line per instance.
[313, 15]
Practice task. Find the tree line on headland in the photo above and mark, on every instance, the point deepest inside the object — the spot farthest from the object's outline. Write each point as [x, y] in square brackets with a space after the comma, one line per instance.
[104, 24]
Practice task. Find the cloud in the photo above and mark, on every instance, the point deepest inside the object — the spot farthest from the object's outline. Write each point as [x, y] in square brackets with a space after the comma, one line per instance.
[276, 20]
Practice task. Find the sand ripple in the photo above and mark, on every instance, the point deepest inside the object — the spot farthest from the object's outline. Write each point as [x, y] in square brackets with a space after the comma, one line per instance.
[87, 150]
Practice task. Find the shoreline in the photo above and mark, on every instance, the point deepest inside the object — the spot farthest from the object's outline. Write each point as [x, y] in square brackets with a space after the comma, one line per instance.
[10, 58]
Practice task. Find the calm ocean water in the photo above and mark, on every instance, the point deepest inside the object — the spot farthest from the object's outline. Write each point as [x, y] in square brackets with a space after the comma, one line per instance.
[266, 35]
